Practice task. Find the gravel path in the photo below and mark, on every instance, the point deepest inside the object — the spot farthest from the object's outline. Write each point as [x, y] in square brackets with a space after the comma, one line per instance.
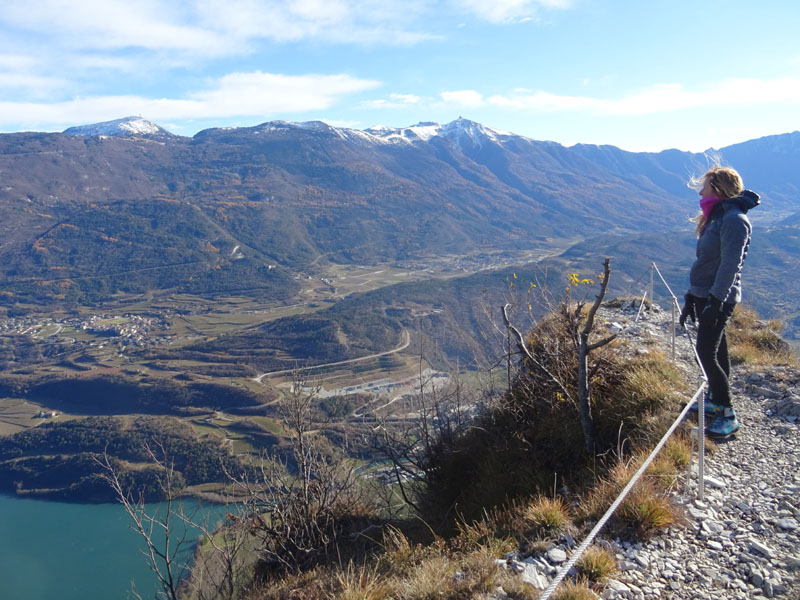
[743, 540]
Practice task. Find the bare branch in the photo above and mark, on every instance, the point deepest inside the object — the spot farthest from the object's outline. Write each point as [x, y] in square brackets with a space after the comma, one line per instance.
[598, 299]
[524, 348]
[601, 343]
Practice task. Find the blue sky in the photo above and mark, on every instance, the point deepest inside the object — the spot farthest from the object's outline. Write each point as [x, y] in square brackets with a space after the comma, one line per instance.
[641, 75]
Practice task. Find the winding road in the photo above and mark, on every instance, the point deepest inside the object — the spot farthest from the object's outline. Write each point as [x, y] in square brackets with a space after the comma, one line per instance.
[402, 346]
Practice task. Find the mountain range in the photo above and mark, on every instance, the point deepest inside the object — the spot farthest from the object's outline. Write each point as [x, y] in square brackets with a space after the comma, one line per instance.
[126, 206]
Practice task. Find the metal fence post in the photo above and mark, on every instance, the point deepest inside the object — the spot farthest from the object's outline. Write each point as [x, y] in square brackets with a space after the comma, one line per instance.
[672, 304]
[652, 275]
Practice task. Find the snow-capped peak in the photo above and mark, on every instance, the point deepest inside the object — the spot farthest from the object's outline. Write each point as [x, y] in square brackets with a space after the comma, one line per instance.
[456, 131]
[461, 128]
[119, 127]
[415, 133]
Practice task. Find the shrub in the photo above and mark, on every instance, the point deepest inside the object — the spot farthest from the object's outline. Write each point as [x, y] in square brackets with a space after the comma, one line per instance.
[574, 590]
[596, 564]
[644, 511]
[362, 583]
[533, 431]
[547, 515]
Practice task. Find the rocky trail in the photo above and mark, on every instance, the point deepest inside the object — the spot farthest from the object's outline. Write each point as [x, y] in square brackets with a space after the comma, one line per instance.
[743, 540]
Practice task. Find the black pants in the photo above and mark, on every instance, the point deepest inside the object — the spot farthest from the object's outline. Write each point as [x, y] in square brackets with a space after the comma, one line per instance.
[712, 349]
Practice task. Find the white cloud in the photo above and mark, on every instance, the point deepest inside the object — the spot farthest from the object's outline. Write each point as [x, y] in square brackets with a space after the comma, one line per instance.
[16, 62]
[405, 98]
[237, 94]
[18, 74]
[265, 93]
[382, 22]
[508, 11]
[100, 62]
[394, 101]
[34, 84]
[464, 98]
[661, 98]
[211, 28]
[111, 24]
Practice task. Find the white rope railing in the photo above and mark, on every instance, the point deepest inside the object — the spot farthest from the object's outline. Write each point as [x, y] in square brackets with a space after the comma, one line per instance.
[698, 397]
[701, 409]
[590, 538]
[641, 307]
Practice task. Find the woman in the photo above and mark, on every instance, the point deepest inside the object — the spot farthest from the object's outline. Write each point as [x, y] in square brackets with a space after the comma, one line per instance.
[723, 237]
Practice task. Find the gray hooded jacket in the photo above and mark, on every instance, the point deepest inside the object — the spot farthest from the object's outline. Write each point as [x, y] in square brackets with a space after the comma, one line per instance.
[721, 250]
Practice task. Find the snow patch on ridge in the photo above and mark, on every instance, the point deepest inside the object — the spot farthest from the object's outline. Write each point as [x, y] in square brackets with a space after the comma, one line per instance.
[457, 131]
[421, 132]
[119, 127]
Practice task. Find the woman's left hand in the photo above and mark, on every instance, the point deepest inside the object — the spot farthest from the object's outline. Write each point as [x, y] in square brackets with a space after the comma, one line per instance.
[712, 309]
[688, 310]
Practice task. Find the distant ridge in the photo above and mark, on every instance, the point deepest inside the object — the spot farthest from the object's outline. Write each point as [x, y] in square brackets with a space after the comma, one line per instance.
[119, 127]
[101, 209]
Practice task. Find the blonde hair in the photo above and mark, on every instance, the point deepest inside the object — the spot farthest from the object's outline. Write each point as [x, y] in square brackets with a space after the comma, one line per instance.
[725, 182]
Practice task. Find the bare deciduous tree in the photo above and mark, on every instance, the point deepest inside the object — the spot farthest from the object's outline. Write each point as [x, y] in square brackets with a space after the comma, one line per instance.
[580, 330]
[300, 505]
[169, 531]
[437, 415]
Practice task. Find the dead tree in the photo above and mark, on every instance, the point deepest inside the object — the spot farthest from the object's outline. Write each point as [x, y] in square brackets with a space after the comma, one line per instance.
[300, 504]
[430, 421]
[156, 528]
[218, 572]
[580, 331]
[584, 348]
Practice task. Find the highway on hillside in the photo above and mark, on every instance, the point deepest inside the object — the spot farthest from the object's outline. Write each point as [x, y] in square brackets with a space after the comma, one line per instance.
[402, 346]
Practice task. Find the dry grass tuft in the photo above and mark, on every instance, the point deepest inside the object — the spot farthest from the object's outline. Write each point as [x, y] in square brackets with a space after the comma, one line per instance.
[678, 451]
[637, 398]
[644, 511]
[599, 497]
[429, 579]
[514, 587]
[670, 464]
[597, 564]
[757, 342]
[309, 585]
[574, 590]
[646, 508]
[547, 515]
[449, 576]
[401, 557]
[362, 583]
[492, 534]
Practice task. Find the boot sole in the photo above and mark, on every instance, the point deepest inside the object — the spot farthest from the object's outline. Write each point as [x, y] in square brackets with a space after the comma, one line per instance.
[721, 436]
[713, 413]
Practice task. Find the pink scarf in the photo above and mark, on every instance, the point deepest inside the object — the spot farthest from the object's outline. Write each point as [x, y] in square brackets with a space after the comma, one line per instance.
[707, 204]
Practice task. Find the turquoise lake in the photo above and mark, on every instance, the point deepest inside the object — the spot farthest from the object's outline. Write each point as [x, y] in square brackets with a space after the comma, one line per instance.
[59, 551]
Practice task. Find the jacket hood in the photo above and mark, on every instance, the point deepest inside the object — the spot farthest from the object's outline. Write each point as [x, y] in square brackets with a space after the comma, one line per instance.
[746, 200]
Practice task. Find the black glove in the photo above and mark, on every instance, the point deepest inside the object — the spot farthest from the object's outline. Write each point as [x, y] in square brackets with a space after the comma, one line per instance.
[688, 310]
[712, 309]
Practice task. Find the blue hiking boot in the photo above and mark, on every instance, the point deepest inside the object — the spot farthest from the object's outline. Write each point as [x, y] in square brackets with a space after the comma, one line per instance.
[724, 424]
[708, 405]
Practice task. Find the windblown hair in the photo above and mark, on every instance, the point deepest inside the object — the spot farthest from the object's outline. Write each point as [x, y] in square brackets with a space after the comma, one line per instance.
[725, 182]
